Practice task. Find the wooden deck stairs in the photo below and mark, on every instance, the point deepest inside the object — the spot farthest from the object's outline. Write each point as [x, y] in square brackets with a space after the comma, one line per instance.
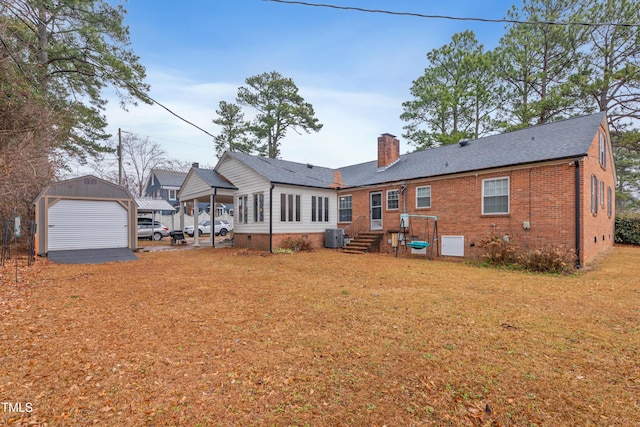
[366, 241]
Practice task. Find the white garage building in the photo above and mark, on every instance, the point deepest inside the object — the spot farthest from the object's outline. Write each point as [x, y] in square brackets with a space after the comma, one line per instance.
[85, 213]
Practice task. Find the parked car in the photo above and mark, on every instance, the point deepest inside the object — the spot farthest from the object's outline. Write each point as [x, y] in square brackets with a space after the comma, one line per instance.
[152, 230]
[220, 228]
[144, 220]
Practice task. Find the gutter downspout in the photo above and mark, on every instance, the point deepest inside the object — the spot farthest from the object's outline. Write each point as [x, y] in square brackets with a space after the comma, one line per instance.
[403, 187]
[271, 218]
[578, 223]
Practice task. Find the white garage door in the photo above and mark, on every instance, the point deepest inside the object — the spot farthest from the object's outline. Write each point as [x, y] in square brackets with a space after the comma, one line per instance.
[87, 224]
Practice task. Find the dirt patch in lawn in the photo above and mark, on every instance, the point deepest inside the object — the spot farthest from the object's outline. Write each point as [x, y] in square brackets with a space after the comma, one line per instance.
[220, 337]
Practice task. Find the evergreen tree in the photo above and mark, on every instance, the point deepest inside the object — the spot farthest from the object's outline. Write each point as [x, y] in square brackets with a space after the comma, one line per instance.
[612, 79]
[280, 108]
[455, 97]
[537, 64]
[628, 171]
[69, 52]
[233, 136]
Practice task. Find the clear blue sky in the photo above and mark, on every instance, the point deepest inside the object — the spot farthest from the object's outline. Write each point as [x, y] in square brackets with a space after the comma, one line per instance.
[355, 68]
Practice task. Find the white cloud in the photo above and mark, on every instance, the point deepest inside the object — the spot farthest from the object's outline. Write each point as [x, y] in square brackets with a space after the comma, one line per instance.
[352, 121]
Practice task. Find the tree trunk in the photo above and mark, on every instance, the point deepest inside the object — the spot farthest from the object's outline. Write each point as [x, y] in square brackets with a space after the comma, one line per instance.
[43, 44]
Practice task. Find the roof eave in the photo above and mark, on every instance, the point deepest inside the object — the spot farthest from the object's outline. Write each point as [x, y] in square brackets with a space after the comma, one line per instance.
[304, 185]
[509, 166]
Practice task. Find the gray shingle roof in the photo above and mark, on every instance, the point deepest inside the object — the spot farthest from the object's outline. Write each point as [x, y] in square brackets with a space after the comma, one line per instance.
[564, 139]
[169, 178]
[286, 172]
[557, 140]
[213, 178]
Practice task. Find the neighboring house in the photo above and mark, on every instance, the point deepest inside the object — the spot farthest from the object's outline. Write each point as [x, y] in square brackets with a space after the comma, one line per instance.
[222, 210]
[164, 184]
[551, 183]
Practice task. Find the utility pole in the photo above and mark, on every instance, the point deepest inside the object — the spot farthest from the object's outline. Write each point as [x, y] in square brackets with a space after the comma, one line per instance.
[119, 156]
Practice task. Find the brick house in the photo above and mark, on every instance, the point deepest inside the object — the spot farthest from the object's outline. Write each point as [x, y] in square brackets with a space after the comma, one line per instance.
[551, 183]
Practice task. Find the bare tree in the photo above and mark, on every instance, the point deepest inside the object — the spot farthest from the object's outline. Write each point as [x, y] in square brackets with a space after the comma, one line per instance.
[139, 157]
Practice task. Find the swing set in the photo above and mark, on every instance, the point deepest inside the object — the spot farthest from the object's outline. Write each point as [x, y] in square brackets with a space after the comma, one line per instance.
[409, 227]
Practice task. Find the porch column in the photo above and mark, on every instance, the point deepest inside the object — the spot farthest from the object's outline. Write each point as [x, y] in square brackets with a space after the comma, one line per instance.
[212, 218]
[196, 238]
[181, 207]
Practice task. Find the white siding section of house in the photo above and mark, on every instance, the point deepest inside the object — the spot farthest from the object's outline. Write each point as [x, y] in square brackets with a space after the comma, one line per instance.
[248, 183]
[305, 225]
[87, 224]
[194, 187]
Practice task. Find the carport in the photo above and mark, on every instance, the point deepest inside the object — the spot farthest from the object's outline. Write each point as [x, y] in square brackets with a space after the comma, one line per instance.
[204, 185]
[85, 213]
[153, 206]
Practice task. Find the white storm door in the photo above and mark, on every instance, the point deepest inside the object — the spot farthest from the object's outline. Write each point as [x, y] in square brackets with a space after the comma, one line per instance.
[375, 208]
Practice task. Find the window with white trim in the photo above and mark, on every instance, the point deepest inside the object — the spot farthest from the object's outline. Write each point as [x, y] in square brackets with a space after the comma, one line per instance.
[423, 197]
[495, 196]
[602, 149]
[258, 207]
[392, 200]
[172, 195]
[319, 209]
[243, 209]
[344, 208]
[609, 202]
[290, 207]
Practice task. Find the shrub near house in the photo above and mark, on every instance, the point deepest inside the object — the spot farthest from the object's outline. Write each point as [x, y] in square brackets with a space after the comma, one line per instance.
[628, 229]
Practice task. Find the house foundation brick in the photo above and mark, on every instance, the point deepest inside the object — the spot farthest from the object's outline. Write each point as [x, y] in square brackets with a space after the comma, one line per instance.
[260, 241]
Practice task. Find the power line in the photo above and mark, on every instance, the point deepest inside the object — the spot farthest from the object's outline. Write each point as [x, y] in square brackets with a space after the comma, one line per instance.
[456, 18]
[132, 87]
[164, 139]
[144, 95]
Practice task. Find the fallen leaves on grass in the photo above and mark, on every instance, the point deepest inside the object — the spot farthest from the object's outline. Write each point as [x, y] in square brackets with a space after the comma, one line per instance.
[233, 337]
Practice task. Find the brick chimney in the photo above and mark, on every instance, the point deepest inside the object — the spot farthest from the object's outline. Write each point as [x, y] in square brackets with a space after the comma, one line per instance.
[388, 150]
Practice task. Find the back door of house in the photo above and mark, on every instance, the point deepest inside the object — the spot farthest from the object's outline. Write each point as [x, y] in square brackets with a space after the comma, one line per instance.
[375, 208]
